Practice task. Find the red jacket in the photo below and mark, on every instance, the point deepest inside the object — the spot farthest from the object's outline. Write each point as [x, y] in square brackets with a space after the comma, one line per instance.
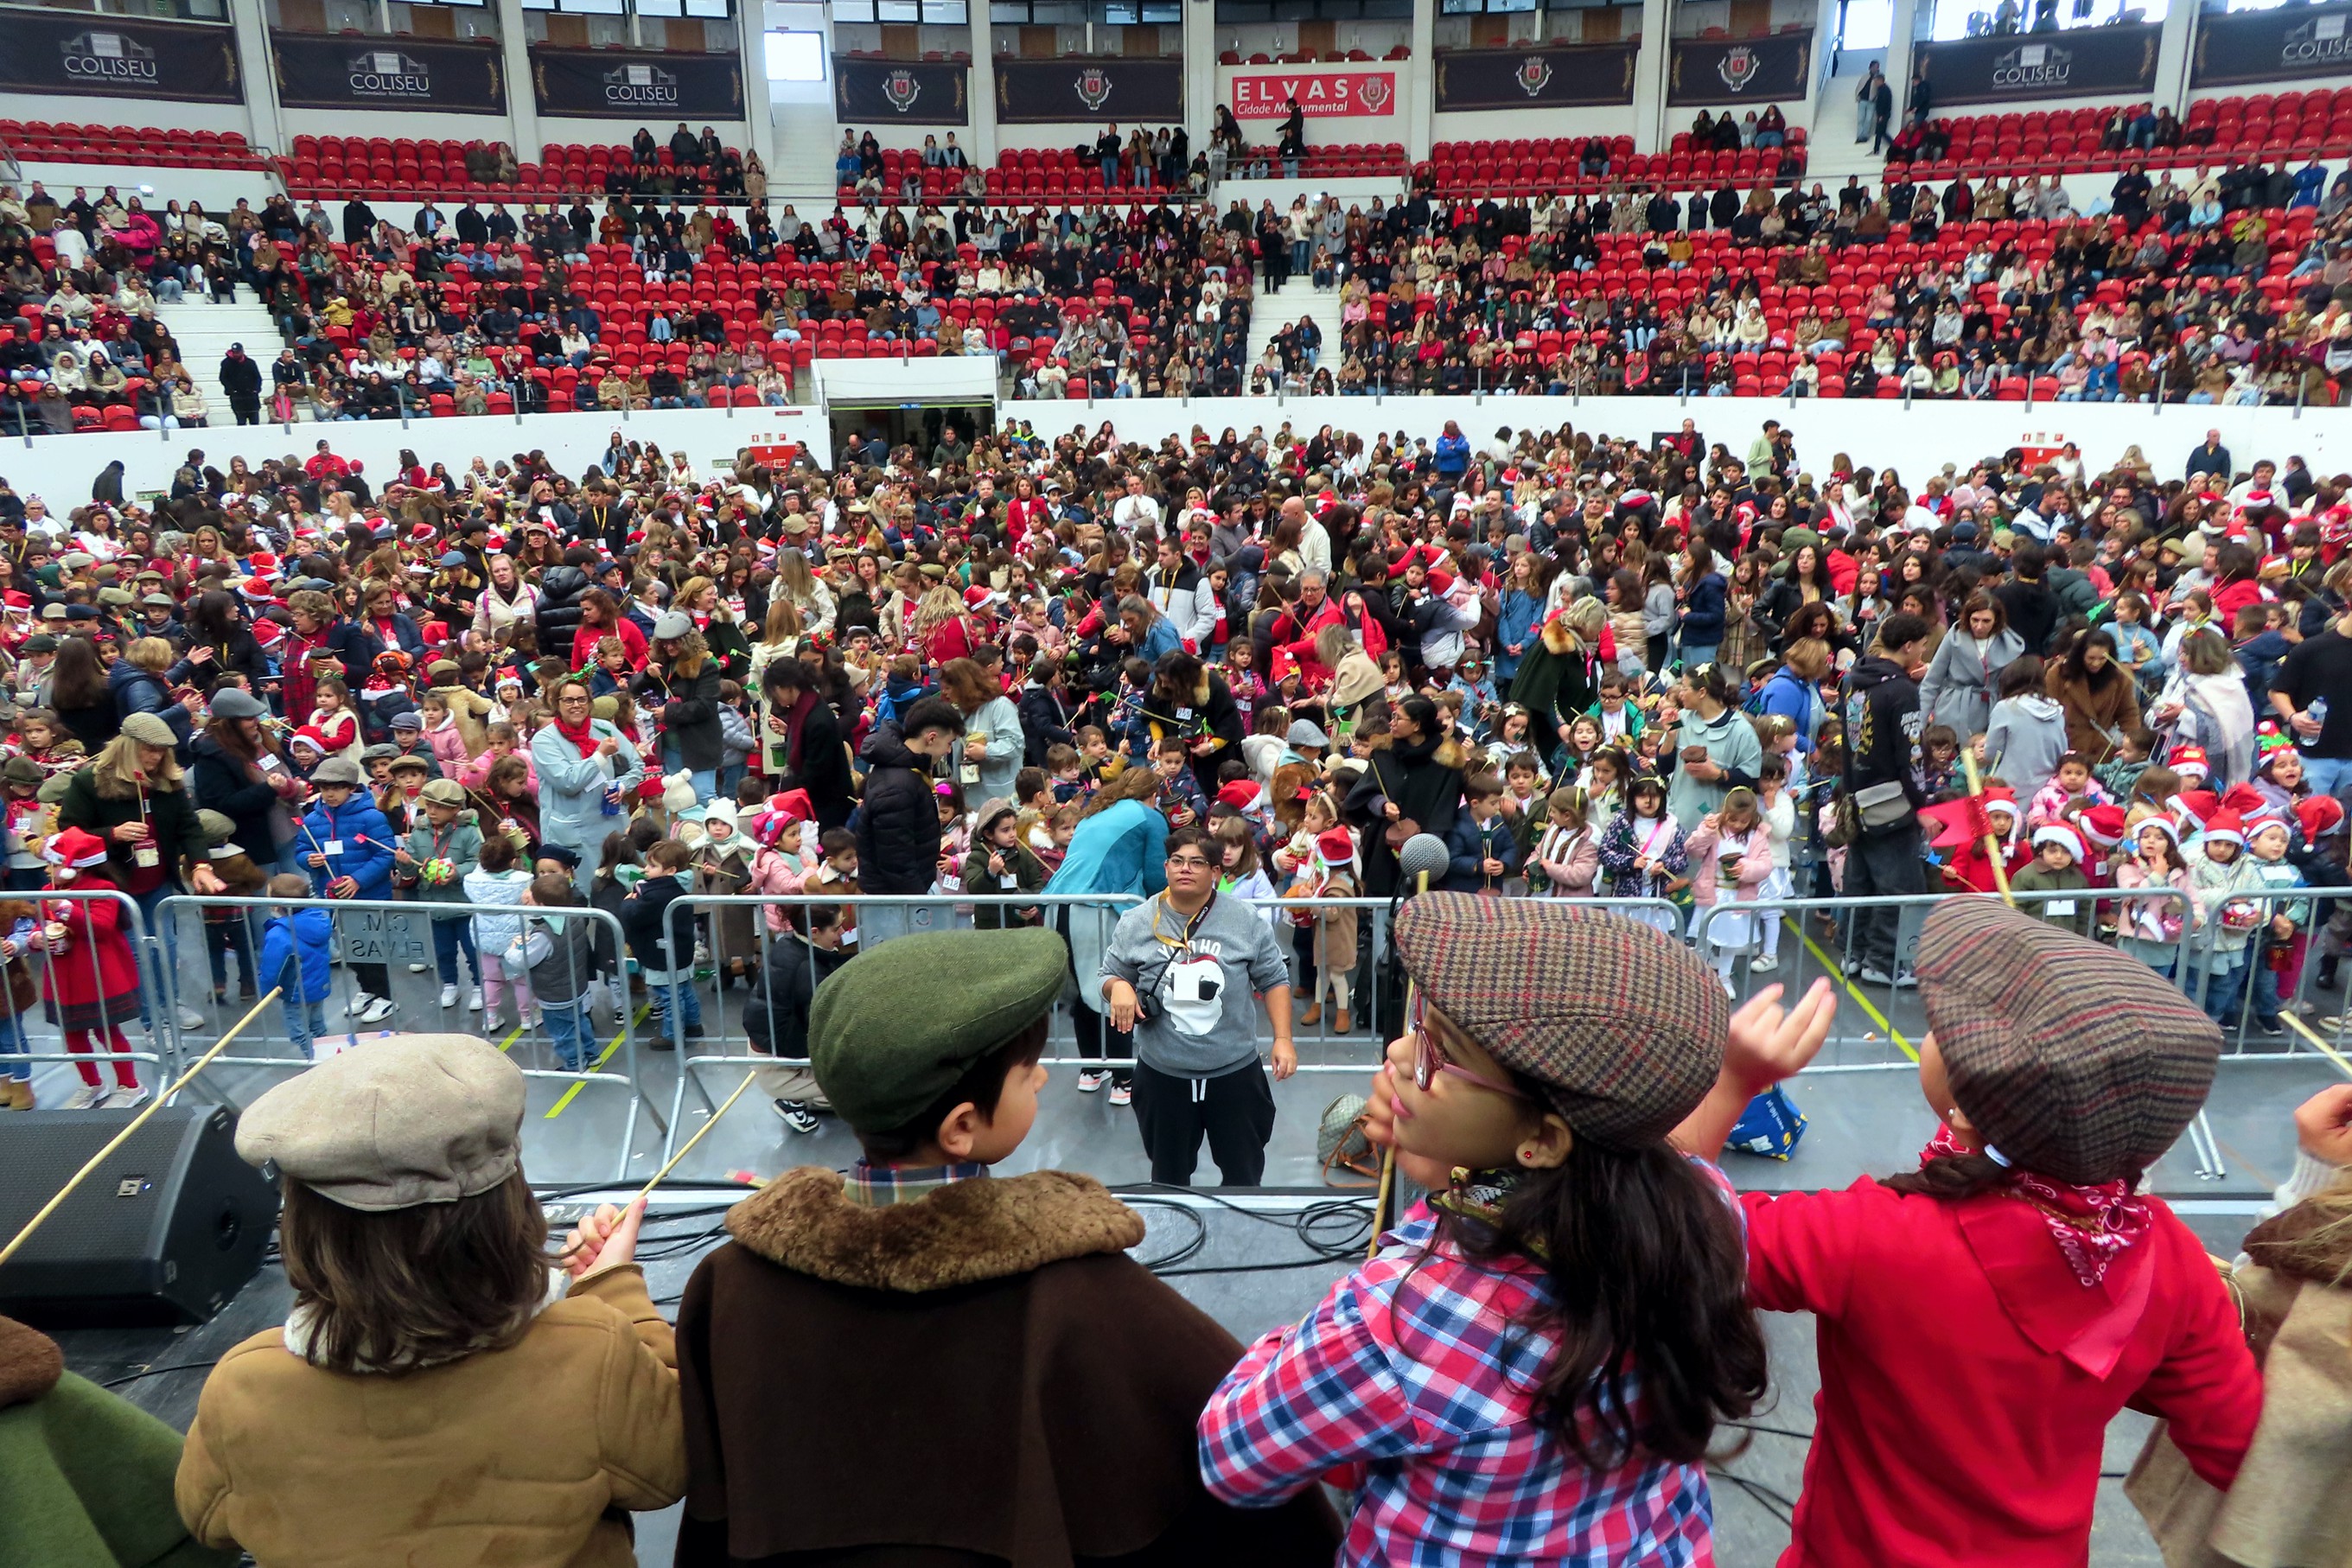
[1952, 1427]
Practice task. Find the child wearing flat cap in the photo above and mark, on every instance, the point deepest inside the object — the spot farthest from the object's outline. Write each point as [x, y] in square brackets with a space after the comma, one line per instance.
[1982, 1319]
[445, 1389]
[1532, 1367]
[925, 1362]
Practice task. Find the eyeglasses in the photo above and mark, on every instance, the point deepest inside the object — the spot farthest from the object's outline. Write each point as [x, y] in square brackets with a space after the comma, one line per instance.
[572, 702]
[1429, 1059]
[1187, 863]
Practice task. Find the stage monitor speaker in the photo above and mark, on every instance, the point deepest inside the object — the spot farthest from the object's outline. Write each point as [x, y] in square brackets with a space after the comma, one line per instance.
[167, 1230]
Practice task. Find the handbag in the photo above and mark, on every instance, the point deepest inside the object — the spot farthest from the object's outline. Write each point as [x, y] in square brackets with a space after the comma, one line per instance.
[1341, 1143]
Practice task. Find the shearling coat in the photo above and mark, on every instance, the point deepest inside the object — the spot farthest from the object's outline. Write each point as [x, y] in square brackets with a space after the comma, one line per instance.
[525, 1455]
[1025, 1393]
[2286, 1509]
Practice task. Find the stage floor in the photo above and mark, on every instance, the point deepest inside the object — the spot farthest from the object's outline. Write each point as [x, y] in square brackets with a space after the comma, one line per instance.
[1865, 1117]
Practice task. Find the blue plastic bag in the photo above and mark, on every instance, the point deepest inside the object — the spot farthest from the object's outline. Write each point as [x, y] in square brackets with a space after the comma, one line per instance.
[1771, 1126]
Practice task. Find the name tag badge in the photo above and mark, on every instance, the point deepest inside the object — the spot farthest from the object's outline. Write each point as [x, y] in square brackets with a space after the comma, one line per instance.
[1008, 881]
[146, 856]
[2059, 909]
[1183, 714]
[332, 847]
[969, 773]
[849, 938]
[269, 763]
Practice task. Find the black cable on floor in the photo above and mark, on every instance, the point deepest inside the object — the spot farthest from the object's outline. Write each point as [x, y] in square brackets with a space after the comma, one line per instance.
[161, 1371]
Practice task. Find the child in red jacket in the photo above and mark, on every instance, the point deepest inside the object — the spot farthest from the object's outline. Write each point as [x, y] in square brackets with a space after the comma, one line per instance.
[1982, 1319]
[91, 981]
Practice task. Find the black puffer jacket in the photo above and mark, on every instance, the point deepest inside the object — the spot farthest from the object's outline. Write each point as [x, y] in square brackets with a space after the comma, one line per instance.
[686, 709]
[559, 609]
[221, 783]
[775, 1013]
[899, 831]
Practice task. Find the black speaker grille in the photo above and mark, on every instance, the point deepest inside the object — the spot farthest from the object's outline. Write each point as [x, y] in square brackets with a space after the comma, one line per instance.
[115, 1210]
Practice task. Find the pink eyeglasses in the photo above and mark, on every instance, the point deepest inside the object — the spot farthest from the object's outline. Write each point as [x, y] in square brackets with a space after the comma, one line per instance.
[1429, 1059]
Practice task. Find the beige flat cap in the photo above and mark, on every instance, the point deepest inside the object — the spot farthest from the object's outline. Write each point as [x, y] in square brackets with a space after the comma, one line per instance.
[394, 1123]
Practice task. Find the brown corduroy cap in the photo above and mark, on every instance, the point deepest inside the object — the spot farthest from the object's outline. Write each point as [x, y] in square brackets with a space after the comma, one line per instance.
[1622, 1025]
[2074, 1060]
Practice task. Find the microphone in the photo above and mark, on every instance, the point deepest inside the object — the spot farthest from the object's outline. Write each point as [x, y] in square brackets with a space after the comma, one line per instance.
[1424, 855]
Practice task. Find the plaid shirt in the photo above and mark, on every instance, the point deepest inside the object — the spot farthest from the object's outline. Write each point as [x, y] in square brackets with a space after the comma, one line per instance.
[1412, 1385]
[881, 1186]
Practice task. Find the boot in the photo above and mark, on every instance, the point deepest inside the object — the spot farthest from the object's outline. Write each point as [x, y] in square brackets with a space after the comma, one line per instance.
[1313, 1016]
[1340, 1022]
[15, 1094]
[2327, 980]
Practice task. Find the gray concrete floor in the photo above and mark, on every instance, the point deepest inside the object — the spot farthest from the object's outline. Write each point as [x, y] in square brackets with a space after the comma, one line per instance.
[1862, 1106]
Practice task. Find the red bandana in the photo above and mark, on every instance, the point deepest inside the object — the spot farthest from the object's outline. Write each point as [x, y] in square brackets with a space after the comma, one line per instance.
[2093, 1225]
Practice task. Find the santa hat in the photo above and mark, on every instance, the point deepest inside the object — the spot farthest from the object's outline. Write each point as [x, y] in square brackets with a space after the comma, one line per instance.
[310, 737]
[2103, 826]
[978, 599]
[2255, 828]
[509, 676]
[2161, 824]
[2066, 837]
[2187, 761]
[19, 600]
[1241, 794]
[1335, 847]
[72, 846]
[421, 531]
[267, 633]
[2195, 805]
[261, 564]
[2320, 814]
[650, 787]
[2002, 798]
[2226, 826]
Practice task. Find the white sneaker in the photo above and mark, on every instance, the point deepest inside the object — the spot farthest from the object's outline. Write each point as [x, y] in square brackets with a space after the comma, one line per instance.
[191, 1019]
[127, 1099]
[357, 1004]
[538, 1020]
[419, 969]
[474, 999]
[86, 1098]
[1122, 1094]
[378, 1009]
[449, 994]
[1762, 965]
[1088, 1082]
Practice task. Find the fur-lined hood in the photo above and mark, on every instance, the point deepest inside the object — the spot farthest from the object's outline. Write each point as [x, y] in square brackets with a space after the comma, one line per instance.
[30, 1363]
[991, 1228]
[1445, 754]
[1558, 638]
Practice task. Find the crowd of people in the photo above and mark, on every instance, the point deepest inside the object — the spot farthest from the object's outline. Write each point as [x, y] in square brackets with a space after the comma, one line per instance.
[1217, 676]
[2223, 285]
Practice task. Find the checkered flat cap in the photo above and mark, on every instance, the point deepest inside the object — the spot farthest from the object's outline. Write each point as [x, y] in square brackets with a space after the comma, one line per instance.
[1623, 1025]
[2072, 1059]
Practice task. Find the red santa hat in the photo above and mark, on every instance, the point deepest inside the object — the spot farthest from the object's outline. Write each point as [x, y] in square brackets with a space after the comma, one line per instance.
[261, 564]
[72, 846]
[1334, 847]
[2161, 824]
[2188, 761]
[2103, 826]
[1240, 794]
[422, 531]
[309, 736]
[2226, 826]
[2320, 814]
[2066, 837]
[2258, 825]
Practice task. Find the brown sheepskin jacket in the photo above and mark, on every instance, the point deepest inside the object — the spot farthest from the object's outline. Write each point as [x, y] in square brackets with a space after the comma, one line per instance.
[980, 1377]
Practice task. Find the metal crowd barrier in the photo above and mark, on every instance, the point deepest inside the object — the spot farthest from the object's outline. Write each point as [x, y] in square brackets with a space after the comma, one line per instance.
[1322, 1050]
[30, 1043]
[397, 934]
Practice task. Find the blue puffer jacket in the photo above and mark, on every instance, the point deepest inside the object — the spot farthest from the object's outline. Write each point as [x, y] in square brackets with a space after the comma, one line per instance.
[306, 935]
[1515, 625]
[366, 842]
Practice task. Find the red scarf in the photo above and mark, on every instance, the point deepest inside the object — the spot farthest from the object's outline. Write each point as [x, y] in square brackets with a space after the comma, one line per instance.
[2093, 1225]
[583, 737]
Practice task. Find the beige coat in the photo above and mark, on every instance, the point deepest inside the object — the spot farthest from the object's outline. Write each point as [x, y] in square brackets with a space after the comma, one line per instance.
[523, 1456]
[2287, 1509]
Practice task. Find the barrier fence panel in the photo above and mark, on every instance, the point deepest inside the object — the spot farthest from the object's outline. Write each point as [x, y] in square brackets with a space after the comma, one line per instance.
[55, 986]
[1877, 1025]
[372, 940]
[733, 926]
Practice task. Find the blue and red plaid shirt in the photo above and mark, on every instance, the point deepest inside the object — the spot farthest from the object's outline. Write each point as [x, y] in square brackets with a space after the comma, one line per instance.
[1413, 1384]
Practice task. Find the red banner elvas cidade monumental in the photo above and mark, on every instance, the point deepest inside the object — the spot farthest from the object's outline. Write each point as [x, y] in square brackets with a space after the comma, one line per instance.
[1319, 94]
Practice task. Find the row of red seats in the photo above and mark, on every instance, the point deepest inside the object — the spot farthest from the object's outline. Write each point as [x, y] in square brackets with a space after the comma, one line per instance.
[1329, 58]
[2267, 126]
[377, 165]
[71, 141]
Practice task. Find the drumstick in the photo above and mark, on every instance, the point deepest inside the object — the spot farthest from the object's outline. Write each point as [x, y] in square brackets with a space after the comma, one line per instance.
[1991, 841]
[137, 1122]
[646, 1191]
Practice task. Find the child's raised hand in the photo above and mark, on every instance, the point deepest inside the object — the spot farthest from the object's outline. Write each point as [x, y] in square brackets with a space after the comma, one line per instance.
[2323, 1125]
[1769, 1043]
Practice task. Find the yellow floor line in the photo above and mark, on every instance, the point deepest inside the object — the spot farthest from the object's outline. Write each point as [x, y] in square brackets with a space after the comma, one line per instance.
[2322, 1047]
[1838, 975]
[610, 1045]
[507, 1044]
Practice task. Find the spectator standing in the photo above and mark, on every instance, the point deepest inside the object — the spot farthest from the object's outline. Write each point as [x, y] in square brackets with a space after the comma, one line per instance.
[1884, 856]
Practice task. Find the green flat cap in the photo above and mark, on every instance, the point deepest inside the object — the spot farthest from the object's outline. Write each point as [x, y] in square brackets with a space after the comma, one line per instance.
[895, 1027]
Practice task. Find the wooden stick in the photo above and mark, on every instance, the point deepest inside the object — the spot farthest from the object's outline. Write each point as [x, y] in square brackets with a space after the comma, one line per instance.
[137, 1122]
[1992, 840]
[2330, 1052]
[646, 1191]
